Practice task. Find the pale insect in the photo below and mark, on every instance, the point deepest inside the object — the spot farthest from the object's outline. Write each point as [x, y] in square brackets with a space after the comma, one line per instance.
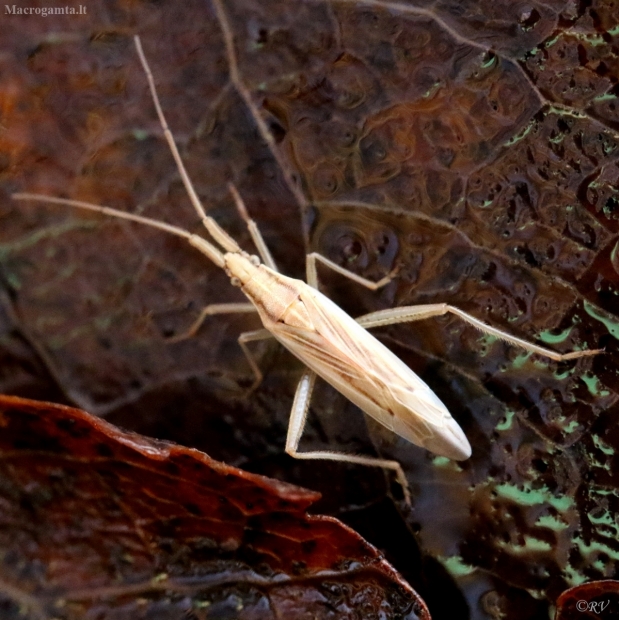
[328, 341]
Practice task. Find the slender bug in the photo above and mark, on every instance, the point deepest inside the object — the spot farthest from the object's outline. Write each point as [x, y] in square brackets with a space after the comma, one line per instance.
[329, 342]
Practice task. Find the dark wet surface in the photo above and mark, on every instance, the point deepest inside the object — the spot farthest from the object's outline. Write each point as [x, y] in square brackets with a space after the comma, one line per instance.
[474, 146]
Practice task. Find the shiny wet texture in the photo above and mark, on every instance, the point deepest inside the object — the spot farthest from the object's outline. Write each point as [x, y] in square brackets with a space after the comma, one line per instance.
[472, 145]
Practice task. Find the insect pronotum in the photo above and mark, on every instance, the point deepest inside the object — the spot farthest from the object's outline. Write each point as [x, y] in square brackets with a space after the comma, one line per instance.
[328, 341]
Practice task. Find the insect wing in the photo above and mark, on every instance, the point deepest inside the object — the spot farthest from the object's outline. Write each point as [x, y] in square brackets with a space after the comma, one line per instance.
[348, 357]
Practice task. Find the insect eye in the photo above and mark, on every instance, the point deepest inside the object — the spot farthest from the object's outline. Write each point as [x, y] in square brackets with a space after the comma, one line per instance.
[235, 281]
[254, 260]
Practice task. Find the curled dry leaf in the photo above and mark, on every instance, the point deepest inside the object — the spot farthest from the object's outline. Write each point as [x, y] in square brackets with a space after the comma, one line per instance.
[99, 523]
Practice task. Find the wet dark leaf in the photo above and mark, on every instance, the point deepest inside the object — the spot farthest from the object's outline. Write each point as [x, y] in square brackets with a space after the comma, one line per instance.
[473, 145]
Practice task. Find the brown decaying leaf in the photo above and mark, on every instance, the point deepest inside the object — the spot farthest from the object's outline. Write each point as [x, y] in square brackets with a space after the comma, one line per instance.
[99, 523]
[473, 145]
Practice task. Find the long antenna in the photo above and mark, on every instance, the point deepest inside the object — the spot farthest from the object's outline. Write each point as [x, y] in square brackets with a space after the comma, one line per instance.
[218, 233]
[204, 246]
[174, 230]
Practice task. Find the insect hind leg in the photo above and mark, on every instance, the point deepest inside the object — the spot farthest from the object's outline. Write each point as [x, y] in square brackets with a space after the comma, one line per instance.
[298, 419]
[408, 314]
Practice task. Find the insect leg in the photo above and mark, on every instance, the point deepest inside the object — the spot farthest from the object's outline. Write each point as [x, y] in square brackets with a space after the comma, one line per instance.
[210, 310]
[312, 274]
[416, 313]
[298, 418]
[253, 229]
[252, 336]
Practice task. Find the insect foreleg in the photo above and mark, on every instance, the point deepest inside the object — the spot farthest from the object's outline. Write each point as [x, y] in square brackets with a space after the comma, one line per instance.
[312, 274]
[210, 310]
[298, 418]
[415, 313]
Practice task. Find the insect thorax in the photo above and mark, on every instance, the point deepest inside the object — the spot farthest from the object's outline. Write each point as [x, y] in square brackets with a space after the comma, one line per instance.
[274, 295]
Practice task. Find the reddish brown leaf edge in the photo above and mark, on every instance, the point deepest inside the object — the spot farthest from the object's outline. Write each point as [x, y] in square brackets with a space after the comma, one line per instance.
[597, 600]
[96, 522]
